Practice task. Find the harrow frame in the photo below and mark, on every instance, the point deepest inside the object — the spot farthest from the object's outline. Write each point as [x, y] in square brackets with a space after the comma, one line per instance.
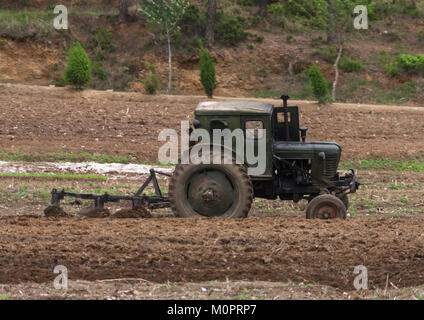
[151, 202]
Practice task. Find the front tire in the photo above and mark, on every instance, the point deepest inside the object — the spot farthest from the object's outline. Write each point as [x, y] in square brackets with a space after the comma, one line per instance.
[326, 206]
[210, 190]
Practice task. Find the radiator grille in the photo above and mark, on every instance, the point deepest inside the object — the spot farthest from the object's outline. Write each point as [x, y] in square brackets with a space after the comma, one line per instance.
[331, 163]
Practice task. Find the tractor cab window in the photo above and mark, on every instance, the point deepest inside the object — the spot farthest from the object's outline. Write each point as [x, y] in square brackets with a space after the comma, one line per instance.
[219, 125]
[252, 129]
[280, 125]
[280, 117]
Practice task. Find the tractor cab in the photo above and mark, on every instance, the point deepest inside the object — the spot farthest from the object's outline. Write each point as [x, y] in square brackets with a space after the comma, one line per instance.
[279, 124]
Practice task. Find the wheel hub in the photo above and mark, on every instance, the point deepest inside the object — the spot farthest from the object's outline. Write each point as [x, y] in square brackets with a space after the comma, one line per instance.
[326, 212]
[210, 193]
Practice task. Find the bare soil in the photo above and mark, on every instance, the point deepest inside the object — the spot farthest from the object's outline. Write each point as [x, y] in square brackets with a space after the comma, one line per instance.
[137, 288]
[170, 257]
[193, 250]
[44, 119]
[275, 253]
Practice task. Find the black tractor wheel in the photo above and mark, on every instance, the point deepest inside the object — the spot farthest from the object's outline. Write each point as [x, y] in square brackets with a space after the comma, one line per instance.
[210, 190]
[326, 206]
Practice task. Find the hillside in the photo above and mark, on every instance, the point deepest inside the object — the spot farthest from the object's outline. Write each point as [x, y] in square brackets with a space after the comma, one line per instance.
[269, 57]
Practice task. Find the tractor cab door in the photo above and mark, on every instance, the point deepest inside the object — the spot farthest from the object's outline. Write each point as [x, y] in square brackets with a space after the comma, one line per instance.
[257, 131]
[280, 126]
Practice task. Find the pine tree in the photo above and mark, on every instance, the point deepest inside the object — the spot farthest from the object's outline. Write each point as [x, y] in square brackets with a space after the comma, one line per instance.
[78, 70]
[319, 84]
[207, 71]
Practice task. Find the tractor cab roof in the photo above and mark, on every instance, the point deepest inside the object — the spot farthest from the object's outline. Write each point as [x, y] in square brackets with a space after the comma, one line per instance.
[234, 108]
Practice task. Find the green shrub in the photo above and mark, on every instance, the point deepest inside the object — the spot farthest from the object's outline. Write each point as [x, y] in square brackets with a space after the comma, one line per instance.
[229, 29]
[407, 7]
[78, 70]
[348, 65]
[319, 84]
[387, 61]
[254, 20]
[312, 13]
[246, 3]
[277, 14]
[99, 71]
[380, 10]
[392, 68]
[100, 56]
[409, 90]
[411, 63]
[327, 53]
[151, 82]
[403, 63]
[193, 22]
[102, 39]
[207, 71]
[256, 37]
[59, 81]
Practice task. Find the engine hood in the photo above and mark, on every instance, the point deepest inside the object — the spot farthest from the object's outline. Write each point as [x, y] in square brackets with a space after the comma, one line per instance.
[305, 150]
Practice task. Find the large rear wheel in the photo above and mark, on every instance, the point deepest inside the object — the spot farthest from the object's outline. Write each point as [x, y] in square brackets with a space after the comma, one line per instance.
[210, 190]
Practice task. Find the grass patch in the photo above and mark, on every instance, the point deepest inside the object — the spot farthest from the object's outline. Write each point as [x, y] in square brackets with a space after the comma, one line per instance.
[266, 93]
[5, 296]
[410, 165]
[21, 20]
[404, 200]
[92, 12]
[54, 176]
[18, 23]
[395, 186]
[66, 157]
[300, 91]
[400, 95]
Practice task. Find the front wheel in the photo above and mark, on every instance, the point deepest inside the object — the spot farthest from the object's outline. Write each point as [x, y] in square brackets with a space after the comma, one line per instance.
[210, 190]
[326, 206]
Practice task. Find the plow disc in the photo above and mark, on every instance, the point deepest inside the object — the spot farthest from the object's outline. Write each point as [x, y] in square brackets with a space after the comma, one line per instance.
[141, 203]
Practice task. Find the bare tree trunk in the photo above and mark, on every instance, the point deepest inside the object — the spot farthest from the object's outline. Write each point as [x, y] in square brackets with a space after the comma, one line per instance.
[336, 70]
[332, 23]
[123, 11]
[263, 8]
[210, 23]
[168, 35]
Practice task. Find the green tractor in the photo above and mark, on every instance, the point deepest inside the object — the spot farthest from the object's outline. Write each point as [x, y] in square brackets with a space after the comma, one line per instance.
[293, 168]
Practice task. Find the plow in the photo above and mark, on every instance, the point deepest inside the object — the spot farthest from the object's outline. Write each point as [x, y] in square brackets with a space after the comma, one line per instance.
[294, 169]
[141, 203]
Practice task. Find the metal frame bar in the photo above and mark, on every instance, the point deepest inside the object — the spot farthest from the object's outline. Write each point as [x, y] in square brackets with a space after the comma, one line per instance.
[153, 202]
